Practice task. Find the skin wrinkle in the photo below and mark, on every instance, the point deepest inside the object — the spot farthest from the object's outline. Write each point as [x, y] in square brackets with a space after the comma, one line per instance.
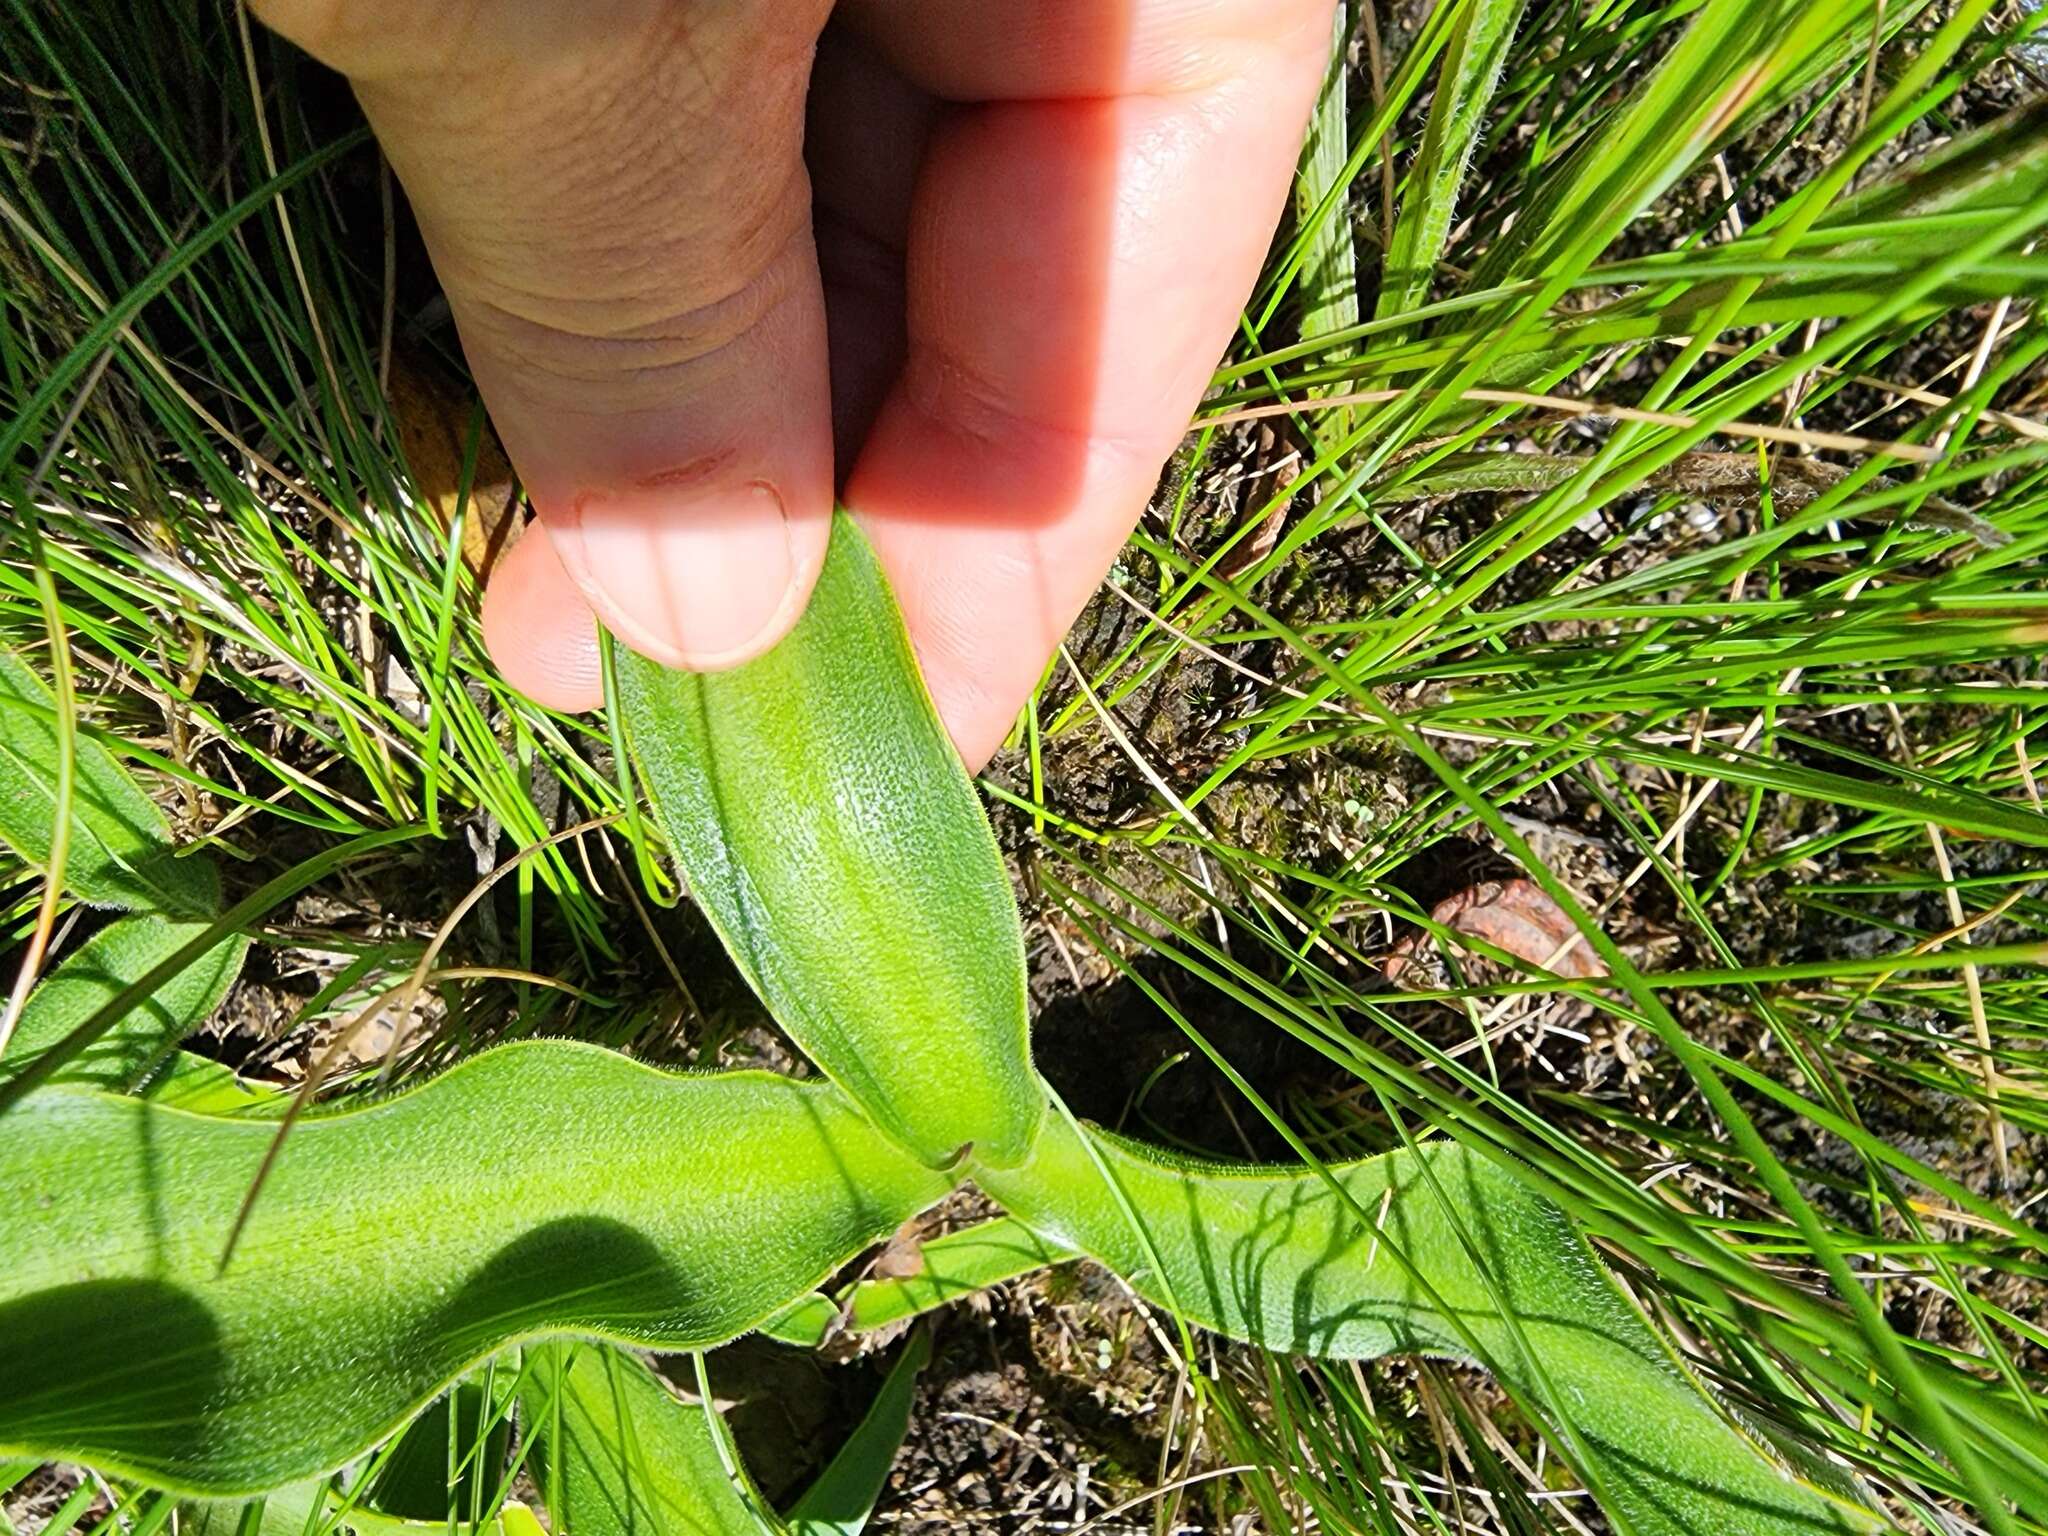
[643, 292]
[692, 334]
[469, 41]
[485, 88]
[994, 426]
[548, 348]
[645, 222]
[685, 43]
[579, 180]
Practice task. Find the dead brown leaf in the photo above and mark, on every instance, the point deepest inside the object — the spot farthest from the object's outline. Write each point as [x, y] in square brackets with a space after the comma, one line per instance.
[902, 1258]
[1271, 459]
[1512, 915]
[433, 414]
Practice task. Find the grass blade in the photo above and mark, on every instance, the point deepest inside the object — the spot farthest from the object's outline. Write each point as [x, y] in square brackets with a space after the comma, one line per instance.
[299, 1510]
[255, 905]
[615, 1453]
[447, 1471]
[1470, 72]
[840, 1501]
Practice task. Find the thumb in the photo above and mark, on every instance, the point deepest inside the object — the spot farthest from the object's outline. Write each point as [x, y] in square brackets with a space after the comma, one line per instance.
[615, 201]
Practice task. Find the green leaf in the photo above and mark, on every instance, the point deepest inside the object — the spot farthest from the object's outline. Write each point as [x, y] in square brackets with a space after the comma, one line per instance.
[446, 1472]
[121, 853]
[1469, 1263]
[315, 1508]
[615, 1454]
[140, 1048]
[805, 1323]
[832, 837]
[298, 1510]
[547, 1188]
[955, 1265]
[840, 1501]
[540, 1188]
[204, 1087]
[235, 919]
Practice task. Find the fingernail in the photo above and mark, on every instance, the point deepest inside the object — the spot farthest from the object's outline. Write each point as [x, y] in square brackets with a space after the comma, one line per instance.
[703, 581]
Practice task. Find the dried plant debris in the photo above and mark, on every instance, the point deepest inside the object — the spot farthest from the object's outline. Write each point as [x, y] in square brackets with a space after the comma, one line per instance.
[458, 467]
[1515, 916]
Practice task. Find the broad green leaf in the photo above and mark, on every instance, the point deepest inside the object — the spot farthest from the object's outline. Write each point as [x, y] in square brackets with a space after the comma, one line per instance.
[298, 1510]
[192, 1082]
[367, 1522]
[1278, 1258]
[955, 1265]
[832, 837]
[616, 1454]
[315, 1508]
[120, 853]
[140, 1050]
[539, 1188]
[840, 1501]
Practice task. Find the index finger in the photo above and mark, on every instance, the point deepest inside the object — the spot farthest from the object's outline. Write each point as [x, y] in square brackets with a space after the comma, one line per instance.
[1083, 235]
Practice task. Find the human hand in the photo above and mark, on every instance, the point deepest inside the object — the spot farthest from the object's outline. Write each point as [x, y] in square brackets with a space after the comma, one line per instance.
[991, 249]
